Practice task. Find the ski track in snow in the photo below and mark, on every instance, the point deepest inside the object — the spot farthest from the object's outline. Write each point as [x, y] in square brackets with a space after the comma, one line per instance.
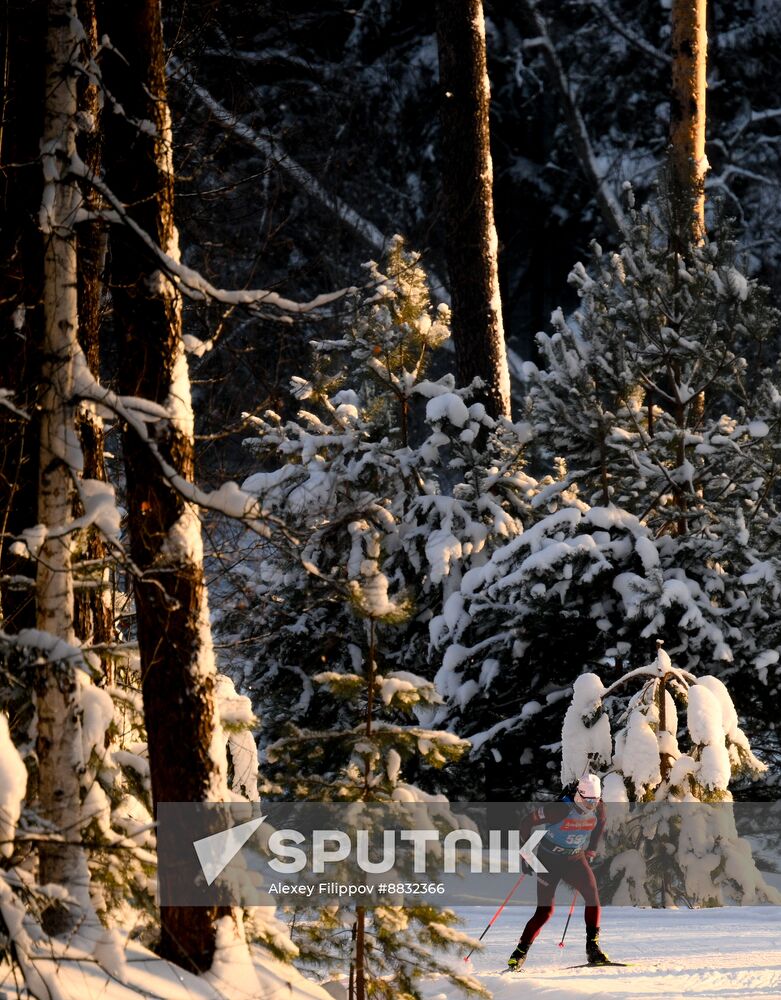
[731, 953]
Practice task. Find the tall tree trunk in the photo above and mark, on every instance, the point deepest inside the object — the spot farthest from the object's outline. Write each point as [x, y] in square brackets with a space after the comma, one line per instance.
[688, 166]
[178, 673]
[59, 722]
[360, 953]
[687, 119]
[467, 178]
[94, 619]
[23, 48]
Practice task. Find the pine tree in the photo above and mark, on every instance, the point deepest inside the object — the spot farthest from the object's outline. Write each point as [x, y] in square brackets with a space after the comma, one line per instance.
[522, 627]
[386, 497]
[656, 334]
[663, 514]
[391, 948]
[187, 763]
[387, 501]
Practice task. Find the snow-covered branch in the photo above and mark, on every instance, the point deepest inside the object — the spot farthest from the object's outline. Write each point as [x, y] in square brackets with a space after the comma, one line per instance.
[228, 499]
[191, 282]
[273, 151]
[6, 400]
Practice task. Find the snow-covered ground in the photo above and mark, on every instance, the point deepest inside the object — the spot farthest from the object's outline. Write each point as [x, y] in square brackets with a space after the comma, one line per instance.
[713, 954]
[718, 954]
[144, 976]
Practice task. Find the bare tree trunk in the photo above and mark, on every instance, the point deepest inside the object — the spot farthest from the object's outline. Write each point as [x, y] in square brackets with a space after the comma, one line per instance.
[187, 763]
[94, 619]
[359, 939]
[59, 719]
[665, 760]
[687, 118]
[360, 952]
[467, 177]
[351, 975]
[688, 163]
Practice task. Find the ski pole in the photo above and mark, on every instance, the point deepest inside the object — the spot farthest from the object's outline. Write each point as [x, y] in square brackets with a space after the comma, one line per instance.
[490, 923]
[569, 917]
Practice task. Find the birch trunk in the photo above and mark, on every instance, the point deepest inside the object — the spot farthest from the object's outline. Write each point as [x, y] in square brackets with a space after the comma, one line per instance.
[467, 177]
[687, 117]
[187, 760]
[59, 727]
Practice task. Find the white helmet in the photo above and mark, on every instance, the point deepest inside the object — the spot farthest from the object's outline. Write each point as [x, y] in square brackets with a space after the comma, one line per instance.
[590, 787]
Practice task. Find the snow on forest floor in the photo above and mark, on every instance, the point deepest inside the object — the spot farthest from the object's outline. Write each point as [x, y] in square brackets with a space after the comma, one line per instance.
[144, 975]
[732, 953]
[717, 954]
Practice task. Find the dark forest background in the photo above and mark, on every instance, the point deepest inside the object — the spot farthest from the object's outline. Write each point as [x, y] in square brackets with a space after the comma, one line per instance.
[347, 91]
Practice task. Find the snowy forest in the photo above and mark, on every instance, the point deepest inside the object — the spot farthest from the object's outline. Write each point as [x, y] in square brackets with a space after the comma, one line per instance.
[390, 411]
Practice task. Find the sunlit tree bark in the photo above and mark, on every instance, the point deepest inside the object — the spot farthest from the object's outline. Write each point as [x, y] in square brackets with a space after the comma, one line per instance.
[687, 116]
[93, 609]
[59, 747]
[467, 180]
[187, 762]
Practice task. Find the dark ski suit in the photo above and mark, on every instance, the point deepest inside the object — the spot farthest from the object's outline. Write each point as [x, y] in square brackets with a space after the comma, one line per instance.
[571, 838]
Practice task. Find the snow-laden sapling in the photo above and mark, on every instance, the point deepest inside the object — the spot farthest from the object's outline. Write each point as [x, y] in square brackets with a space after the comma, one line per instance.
[363, 479]
[387, 501]
[672, 833]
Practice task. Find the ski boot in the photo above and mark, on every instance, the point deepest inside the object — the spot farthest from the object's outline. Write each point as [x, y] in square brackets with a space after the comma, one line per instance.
[594, 954]
[518, 957]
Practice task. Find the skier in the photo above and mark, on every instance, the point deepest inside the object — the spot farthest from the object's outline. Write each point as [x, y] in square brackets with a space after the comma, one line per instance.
[574, 828]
